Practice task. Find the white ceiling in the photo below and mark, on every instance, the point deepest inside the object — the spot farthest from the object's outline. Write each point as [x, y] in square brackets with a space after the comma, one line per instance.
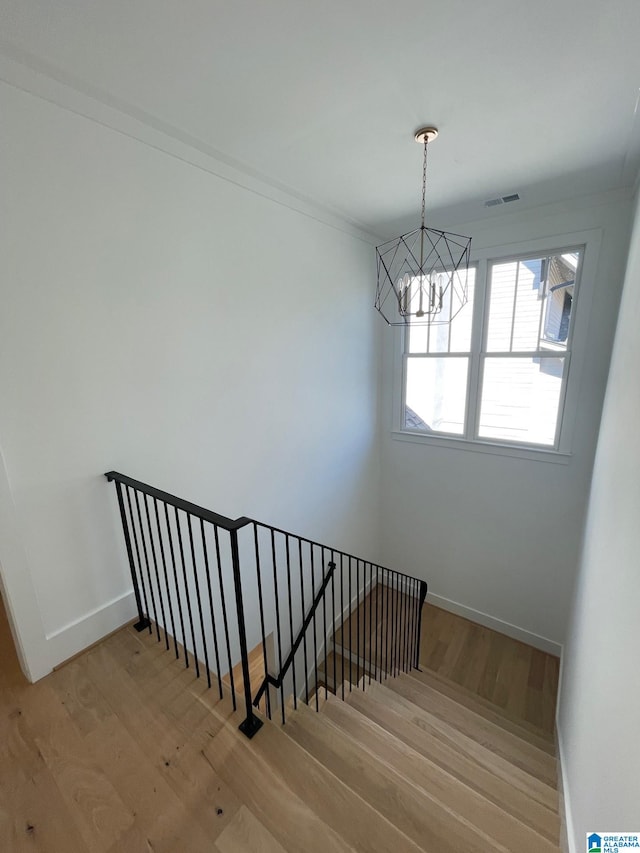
[535, 96]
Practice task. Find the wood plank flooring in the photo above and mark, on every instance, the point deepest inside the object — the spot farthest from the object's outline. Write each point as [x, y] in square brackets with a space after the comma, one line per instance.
[520, 680]
[517, 678]
[123, 751]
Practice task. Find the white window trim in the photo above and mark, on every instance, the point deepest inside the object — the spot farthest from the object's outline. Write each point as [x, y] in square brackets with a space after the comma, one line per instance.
[590, 241]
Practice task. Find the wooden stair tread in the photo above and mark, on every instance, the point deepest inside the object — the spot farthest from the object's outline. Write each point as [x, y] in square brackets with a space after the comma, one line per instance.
[505, 671]
[527, 731]
[351, 674]
[521, 753]
[426, 821]
[256, 672]
[470, 762]
[302, 803]
[383, 611]
[262, 789]
[474, 742]
[497, 820]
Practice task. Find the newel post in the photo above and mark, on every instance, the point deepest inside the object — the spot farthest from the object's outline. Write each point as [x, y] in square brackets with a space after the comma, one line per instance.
[143, 620]
[421, 599]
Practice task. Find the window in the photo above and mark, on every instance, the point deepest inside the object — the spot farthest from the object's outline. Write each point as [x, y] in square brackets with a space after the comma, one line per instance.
[498, 372]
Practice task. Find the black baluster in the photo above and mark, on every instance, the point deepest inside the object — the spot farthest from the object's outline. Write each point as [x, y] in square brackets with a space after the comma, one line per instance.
[396, 630]
[357, 620]
[376, 666]
[198, 599]
[262, 628]
[400, 624]
[225, 621]
[342, 618]
[333, 621]
[135, 542]
[392, 647]
[143, 621]
[194, 651]
[157, 573]
[146, 561]
[350, 622]
[370, 618]
[293, 662]
[166, 577]
[410, 647]
[315, 631]
[324, 623]
[214, 632]
[278, 631]
[385, 607]
[381, 625]
[405, 623]
[304, 633]
[175, 577]
[410, 631]
[358, 657]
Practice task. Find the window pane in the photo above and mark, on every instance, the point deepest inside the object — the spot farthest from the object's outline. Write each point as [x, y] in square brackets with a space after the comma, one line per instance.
[462, 322]
[530, 303]
[436, 394]
[501, 294]
[453, 336]
[559, 301]
[520, 399]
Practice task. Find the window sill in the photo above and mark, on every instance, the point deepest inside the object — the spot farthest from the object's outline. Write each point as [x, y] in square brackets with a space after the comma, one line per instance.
[535, 454]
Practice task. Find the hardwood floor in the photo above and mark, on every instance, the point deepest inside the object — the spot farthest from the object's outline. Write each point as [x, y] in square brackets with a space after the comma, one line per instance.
[105, 754]
[519, 679]
[9, 667]
[123, 751]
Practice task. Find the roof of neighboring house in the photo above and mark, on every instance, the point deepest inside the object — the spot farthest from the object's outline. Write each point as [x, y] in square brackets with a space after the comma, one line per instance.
[414, 421]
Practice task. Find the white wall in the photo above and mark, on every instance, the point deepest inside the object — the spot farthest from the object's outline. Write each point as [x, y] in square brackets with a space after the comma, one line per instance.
[599, 709]
[497, 537]
[158, 320]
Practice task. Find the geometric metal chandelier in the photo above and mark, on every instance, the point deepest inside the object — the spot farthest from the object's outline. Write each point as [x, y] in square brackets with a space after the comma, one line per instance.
[422, 275]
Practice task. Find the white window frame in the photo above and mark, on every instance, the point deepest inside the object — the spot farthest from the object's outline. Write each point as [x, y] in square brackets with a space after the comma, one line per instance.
[588, 242]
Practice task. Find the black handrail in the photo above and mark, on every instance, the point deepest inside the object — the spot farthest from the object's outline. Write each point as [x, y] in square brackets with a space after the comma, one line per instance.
[276, 680]
[179, 503]
[170, 559]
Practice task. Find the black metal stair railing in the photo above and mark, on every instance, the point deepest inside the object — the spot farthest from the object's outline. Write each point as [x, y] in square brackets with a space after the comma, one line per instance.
[321, 618]
[179, 554]
[358, 621]
[277, 681]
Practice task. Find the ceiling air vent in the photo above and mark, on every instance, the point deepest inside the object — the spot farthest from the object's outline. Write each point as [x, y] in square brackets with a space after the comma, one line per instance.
[505, 199]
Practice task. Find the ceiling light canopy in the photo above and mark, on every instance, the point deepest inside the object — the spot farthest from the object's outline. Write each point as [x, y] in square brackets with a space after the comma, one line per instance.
[422, 275]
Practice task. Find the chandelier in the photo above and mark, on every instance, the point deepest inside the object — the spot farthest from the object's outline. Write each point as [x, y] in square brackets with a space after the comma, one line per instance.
[422, 275]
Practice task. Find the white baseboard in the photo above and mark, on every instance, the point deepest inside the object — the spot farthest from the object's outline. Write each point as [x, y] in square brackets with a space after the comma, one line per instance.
[90, 628]
[567, 835]
[495, 624]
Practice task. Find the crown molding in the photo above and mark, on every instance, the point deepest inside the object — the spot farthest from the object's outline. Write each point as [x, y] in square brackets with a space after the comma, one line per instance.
[27, 73]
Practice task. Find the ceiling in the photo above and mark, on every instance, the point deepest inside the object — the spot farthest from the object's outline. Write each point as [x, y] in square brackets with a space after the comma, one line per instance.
[536, 97]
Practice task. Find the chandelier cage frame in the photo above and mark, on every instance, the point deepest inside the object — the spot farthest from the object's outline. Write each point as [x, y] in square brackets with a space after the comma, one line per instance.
[422, 276]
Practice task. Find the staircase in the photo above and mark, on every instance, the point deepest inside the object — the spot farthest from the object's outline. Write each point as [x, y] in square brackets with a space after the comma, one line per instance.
[382, 755]
[419, 764]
